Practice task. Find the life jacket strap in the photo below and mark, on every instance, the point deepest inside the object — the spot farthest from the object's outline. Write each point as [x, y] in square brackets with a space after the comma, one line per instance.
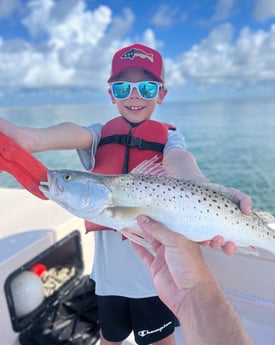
[132, 141]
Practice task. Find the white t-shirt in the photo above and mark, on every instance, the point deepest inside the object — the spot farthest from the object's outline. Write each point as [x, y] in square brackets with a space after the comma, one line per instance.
[117, 269]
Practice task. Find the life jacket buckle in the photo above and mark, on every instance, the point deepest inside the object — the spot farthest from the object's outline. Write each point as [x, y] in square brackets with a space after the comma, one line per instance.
[132, 141]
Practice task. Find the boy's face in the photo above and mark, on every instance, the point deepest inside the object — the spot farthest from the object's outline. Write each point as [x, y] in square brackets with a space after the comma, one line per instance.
[135, 108]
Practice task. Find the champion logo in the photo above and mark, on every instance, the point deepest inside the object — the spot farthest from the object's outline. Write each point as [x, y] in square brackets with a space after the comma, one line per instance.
[145, 332]
[134, 52]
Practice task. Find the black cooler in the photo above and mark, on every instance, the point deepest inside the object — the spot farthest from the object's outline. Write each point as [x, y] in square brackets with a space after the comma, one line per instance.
[68, 311]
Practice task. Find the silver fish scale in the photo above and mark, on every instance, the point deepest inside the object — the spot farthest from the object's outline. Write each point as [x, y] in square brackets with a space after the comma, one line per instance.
[179, 203]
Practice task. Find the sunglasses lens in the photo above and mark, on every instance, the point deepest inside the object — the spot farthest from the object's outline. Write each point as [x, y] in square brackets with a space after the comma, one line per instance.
[121, 90]
[148, 89]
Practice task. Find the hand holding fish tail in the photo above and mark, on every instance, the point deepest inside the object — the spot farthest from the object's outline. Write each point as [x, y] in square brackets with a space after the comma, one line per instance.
[245, 201]
[185, 283]
[228, 247]
[217, 242]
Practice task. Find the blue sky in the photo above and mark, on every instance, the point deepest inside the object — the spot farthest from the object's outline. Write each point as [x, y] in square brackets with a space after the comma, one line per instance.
[59, 51]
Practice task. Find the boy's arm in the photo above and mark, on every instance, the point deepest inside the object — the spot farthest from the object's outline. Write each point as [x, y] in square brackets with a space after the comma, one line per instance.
[184, 164]
[59, 137]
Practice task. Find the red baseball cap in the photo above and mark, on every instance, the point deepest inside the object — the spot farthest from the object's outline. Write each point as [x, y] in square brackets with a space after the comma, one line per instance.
[137, 56]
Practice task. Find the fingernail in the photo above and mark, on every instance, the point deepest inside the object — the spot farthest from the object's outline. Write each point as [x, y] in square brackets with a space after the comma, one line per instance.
[144, 219]
[149, 239]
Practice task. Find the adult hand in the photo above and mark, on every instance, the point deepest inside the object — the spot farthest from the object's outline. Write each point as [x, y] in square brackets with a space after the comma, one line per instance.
[186, 285]
[177, 265]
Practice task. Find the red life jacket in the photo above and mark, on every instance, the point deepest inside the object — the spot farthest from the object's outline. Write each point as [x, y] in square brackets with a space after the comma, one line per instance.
[124, 146]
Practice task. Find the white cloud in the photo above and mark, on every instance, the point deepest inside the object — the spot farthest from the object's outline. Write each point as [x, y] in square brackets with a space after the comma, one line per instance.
[39, 16]
[75, 50]
[72, 47]
[78, 26]
[264, 9]
[223, 10]
[219, 60]
[148, 38]
[7, 7]
[175, 74]
[167, 16]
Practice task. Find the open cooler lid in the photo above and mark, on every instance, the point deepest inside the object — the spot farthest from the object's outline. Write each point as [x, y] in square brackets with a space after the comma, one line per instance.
[42, 281]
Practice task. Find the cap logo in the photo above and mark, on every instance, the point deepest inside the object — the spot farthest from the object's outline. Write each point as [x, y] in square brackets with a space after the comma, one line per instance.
[134, 52]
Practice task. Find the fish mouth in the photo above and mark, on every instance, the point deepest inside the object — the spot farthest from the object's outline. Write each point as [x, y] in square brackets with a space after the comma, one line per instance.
[51, 186]
[44, 188]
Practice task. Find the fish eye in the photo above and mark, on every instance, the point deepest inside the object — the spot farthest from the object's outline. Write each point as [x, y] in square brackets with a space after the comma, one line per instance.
[67, 177]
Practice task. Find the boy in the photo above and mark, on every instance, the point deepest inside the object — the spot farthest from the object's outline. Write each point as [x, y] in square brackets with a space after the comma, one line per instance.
[126, 295]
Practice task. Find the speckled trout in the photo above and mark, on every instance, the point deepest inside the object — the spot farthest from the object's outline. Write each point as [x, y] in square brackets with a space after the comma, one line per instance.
[199, 211]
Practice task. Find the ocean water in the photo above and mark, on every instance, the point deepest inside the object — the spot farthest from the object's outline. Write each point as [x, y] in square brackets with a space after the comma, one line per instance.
[232, 140]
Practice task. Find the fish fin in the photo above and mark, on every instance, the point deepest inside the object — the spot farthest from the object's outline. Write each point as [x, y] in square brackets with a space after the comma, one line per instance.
[267, 217]
[152, 167]
[120, 212]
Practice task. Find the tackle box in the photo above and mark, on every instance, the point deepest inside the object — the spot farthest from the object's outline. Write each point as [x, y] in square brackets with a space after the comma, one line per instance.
[68, 311]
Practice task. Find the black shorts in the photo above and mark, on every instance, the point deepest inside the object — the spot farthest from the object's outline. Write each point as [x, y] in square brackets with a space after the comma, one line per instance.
[149, 318]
